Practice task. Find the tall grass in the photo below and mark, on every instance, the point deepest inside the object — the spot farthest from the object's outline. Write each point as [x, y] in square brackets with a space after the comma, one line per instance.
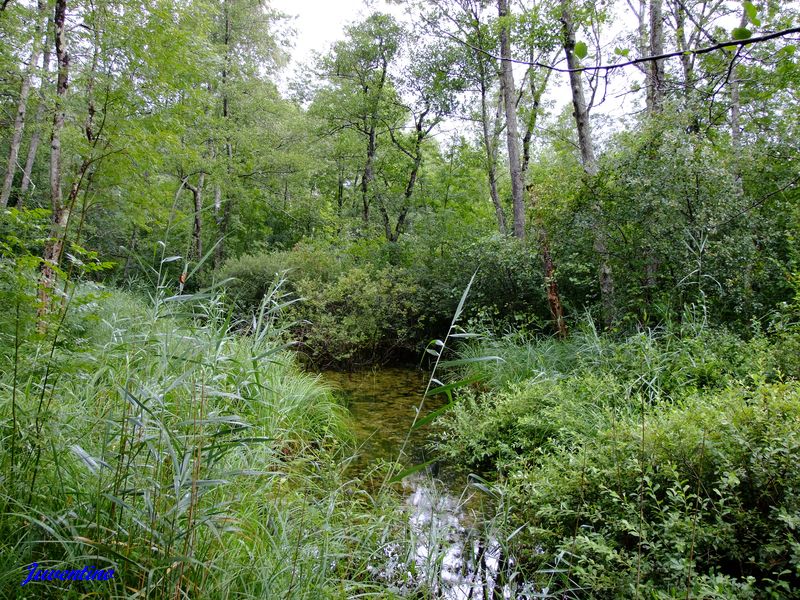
[152, 438]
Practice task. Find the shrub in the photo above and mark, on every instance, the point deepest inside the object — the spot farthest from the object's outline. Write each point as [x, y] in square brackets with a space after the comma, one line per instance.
[657, 466]
[364, 316]
[252, 275]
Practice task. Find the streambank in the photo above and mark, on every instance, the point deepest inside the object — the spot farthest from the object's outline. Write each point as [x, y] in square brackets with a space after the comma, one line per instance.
[455, 553]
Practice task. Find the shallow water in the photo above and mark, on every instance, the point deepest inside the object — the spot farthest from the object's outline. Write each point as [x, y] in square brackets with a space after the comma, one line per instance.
[452, 556]
[382, 403]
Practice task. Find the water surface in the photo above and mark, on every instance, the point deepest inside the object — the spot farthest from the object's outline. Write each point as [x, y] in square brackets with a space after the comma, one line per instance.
[453, 556]
[383, 403]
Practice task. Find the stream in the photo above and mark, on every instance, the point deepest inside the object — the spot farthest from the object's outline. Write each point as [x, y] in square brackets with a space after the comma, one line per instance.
[453, 557]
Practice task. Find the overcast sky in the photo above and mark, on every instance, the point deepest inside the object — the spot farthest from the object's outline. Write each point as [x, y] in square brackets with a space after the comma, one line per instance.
[319, 23]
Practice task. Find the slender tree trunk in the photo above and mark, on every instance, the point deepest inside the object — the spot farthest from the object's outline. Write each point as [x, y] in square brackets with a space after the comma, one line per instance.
[197, 226]
[537, 91]
[368, 175]
[38, 120]
[654, 83]
[60, 212]
[589, 160]
[655, 68]
[131, 249]
[580, 110]
[222, 214]
[371, 126]
[512, 135]
[551, 284]
[736, 132]
[218, 218]
[683, 46]
[489, 140]
[340, 192]
[22, 108]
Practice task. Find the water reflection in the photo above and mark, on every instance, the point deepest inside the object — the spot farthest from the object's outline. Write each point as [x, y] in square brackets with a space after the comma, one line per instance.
[465, 565]
[453, 558]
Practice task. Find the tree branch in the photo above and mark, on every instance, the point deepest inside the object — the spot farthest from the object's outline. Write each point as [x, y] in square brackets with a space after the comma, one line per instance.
[697, 51]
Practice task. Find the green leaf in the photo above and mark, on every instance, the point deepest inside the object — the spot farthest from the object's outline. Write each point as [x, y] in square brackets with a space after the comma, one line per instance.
[466, 361]
[411, 470]
[741, 33]
[581, 50]
[463, 300]
[451, 386]
[622, 52]
[433, 415]
[752, 13]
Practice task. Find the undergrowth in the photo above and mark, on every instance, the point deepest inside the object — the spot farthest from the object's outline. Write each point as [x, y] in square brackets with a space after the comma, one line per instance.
[152, 438]
[661, 465]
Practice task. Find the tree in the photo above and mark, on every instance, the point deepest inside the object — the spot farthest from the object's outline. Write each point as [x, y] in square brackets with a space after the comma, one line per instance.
[362, 93]
[22, 104]
[509, 102]
[60, 211]
[588, 159]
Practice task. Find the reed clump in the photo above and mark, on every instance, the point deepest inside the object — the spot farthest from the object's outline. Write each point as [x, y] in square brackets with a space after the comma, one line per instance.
[155, 438]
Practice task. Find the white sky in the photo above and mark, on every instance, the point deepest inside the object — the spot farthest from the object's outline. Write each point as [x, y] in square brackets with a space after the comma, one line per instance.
[319, 23]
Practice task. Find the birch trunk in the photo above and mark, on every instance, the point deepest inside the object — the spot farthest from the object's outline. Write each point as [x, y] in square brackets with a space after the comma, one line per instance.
[655, 68]
[60, 215]
[490, 143]
[22, 108]
[490, 136]
[512, 134]
[38, 120]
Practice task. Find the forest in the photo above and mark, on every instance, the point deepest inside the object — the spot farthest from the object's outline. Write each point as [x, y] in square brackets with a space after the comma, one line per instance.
[537, 261]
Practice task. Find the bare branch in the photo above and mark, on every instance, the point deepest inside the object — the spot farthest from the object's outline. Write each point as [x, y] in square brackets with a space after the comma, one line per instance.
[697, 51]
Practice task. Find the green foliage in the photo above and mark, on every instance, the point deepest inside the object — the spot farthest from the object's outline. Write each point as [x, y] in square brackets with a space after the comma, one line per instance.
[253, 275]
[370, 302]
[360, 318]
[652, 466]
[184, 455]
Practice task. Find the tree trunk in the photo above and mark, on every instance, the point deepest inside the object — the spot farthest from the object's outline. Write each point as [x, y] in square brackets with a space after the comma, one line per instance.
[580, 109]
[654, 83]
[537, 91]
[197, 226]
[512, 135]
[22, 108]
[589, 160]
[222, 214]
[736, 133]
[60, 215]
[553, 295]
[368, 175]
[489, 140]
[655, 68]
[33, 148]
[371, 126]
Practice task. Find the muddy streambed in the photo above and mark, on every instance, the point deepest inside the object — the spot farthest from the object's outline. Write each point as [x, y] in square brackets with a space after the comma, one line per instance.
[453, 555]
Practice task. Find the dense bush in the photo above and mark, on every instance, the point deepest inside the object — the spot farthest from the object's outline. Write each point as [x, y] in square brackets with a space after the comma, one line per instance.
[364, 302]
[658, 466]
[364, 316]
[253, 275]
